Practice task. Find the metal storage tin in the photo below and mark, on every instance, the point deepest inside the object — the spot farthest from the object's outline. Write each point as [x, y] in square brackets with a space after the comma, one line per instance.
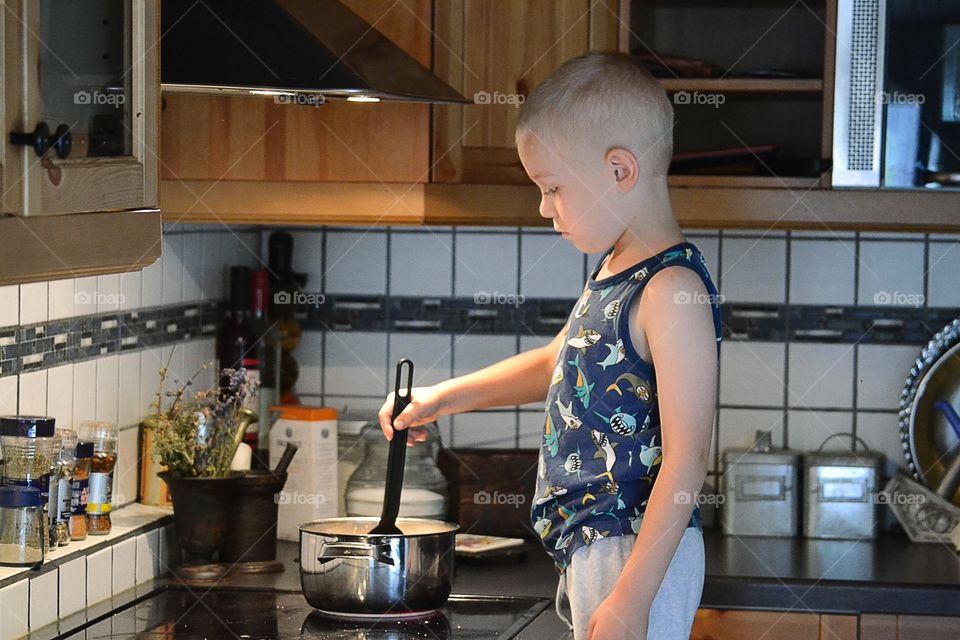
[841, 490]
[760, 491]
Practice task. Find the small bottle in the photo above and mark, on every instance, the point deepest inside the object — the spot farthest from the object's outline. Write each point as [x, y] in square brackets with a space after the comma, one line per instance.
[79, 491]
[66, 464]
[22, 526]
[104, 437]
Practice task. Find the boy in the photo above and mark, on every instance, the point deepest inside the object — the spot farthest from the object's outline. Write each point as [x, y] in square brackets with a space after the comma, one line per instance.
[630, 382]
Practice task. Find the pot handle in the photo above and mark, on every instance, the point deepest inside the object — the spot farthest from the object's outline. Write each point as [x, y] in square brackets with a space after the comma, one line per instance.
[333, 550]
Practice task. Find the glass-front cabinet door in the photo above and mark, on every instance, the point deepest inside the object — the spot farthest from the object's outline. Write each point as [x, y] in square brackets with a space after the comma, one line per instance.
[82, 107]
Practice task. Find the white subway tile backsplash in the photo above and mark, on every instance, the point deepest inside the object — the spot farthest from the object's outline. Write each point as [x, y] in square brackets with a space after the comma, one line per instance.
[151, 360]
[710, 248]
[891, 273]
[130, 286]
[751, 373]
[882, 371]
[550, 267]
[84, 391]
[172, 283]
[148, 556]
[944, 290]
[471, 353]
[33, 393]
[151, 284]
[129, 390]
[214, 272]
[108, 389]
[531, 425]
[192, 261]
[431, 355]
[14, 610]
[356, 363]
[309, 356]
[9, 305]
[73, 580]
[60, 302]
[60, 395]
[807, 430]
[85, 296]
[99, 576]
[356, 262]
[820, 375]
[485, 429]
[43, 600]
[108, 293]
[8, 395]
[33, 302]
[753, 270]
[881, 432]
[822, 272]
[420, 264]
[308, 257]
[126, 475]
[486, 262]
[124, 565]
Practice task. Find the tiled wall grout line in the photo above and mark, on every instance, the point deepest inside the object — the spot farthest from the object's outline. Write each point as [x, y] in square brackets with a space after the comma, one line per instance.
[786, 345]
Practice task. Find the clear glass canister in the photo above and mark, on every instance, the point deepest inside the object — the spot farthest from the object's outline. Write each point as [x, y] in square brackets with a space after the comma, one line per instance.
[22, 526]
[66, 465]
[29, 454]
[104, 437]
[349, 456]
[424, 493]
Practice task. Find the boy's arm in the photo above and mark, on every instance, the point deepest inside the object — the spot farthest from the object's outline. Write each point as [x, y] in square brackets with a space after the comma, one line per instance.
[682, 341]
[519, 379]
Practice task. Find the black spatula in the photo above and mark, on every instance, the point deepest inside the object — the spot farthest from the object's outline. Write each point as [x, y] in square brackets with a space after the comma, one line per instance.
[396, 457]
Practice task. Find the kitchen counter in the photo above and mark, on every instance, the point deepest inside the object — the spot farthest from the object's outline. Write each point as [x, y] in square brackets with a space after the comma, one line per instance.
[890, 575]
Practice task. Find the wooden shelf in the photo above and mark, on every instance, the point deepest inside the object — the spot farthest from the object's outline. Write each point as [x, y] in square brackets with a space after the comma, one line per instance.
[375, 204]
[745, 85]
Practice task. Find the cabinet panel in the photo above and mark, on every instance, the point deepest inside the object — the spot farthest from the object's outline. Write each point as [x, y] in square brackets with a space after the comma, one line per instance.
[926, 627]
[261, 139]
[92, 70]
[713, 624]
[494, 51]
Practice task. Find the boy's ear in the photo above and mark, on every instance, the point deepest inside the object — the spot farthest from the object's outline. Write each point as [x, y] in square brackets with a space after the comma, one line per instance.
[624, 166]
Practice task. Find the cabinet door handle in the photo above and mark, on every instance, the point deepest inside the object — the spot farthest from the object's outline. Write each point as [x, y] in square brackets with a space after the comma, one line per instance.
[41, 141]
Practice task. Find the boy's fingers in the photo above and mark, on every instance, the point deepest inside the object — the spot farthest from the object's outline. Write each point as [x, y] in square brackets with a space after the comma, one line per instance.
[406, 418]
[386, 411]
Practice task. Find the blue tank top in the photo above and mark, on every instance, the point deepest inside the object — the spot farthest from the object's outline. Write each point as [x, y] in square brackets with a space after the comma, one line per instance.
[601, 449]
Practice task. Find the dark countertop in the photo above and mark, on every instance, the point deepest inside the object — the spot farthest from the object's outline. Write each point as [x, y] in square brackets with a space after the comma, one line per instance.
[890, 575]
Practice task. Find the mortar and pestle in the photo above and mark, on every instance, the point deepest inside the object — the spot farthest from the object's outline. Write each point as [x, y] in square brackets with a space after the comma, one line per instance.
[251, 544]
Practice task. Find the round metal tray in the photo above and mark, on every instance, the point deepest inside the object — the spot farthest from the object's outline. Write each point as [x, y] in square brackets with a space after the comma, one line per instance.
[925, 435]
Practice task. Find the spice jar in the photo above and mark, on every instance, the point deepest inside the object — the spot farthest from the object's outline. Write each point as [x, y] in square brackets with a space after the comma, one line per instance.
[79, 490]
[66, 463]
[104, 437]
[22, 523]
[29, 452]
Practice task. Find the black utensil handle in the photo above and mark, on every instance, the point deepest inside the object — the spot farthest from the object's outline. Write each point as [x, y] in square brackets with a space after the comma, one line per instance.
[398, 447]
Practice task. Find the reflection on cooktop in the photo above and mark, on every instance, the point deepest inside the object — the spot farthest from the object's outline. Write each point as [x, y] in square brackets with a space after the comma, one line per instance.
[253, 615]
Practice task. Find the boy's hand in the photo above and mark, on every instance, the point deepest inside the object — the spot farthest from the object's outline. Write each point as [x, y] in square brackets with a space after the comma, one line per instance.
[424, 407]
[618, 618]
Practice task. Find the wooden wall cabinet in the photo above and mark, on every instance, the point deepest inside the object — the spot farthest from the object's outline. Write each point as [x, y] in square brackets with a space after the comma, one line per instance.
[714, 624]
[95, 72]
[493, 51]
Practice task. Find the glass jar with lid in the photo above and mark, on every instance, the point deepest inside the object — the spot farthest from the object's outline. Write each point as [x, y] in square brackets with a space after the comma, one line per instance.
[22, 526]
[349, 455]
[65, 467]
[424, 493]
[29, 452]
[104, 437]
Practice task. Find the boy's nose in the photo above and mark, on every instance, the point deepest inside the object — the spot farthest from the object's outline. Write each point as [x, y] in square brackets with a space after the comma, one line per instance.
[546, 209]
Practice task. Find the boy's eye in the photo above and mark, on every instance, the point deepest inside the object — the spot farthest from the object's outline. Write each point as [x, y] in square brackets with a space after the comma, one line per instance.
[551, 191]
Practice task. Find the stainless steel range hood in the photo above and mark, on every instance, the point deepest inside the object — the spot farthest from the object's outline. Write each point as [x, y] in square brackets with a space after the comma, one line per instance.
[287, 47]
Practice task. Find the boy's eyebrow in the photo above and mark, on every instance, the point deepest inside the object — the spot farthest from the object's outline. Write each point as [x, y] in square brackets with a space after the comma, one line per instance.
[541, 175]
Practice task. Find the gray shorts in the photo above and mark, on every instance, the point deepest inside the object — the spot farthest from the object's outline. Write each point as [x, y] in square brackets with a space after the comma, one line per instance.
[594, 570]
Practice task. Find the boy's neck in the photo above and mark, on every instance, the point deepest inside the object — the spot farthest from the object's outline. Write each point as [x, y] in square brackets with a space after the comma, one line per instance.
[652, 229]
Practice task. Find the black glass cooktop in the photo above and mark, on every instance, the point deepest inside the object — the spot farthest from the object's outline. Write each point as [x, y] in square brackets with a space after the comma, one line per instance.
[253, 615]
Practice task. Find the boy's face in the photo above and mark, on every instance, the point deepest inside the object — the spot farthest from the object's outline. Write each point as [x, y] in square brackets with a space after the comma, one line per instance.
[576, 193]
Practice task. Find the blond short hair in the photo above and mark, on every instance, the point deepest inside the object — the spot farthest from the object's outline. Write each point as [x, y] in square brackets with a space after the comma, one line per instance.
[603, 100]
